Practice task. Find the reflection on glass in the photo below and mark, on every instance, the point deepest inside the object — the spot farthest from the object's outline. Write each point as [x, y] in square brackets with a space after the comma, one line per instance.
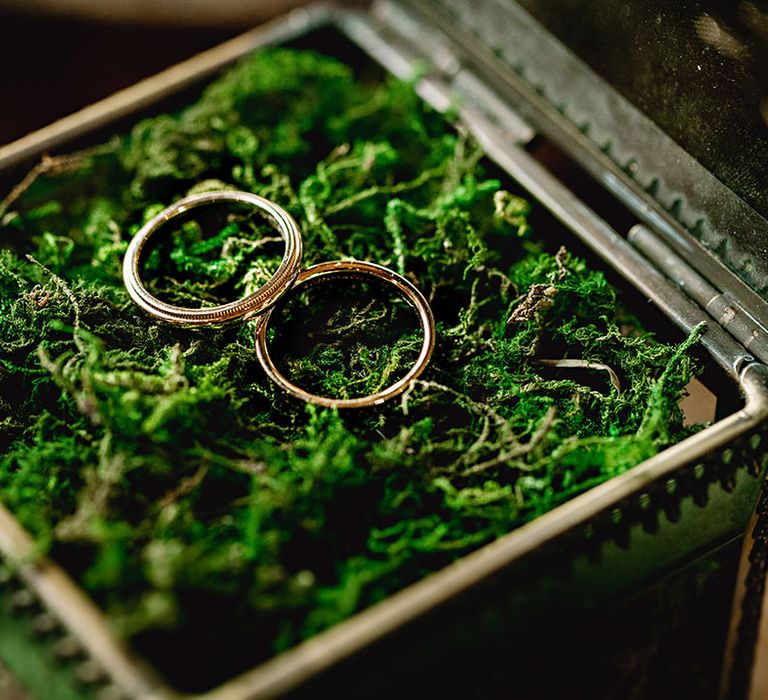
[698, 68]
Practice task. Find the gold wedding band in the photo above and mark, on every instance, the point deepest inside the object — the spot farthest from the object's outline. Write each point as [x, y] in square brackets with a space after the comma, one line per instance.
[353, 269]
[256, 303]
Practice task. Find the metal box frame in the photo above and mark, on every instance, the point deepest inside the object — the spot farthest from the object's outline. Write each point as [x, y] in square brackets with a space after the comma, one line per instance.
[656, 507]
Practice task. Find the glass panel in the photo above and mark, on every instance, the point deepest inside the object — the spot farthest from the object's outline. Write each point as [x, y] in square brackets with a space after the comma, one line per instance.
[698, 68]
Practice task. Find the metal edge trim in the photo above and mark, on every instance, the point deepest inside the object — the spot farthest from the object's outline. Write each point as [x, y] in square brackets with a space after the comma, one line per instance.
[70, 605]
[733, 634]
[291, 668]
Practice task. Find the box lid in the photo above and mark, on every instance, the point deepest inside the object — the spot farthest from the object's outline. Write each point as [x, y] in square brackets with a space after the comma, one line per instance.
[670, 94]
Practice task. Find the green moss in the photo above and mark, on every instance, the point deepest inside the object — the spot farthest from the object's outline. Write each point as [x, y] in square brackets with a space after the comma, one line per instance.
[191, 499]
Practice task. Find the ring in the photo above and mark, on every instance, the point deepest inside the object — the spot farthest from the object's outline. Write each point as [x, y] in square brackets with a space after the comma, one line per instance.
[353, 269]
[256, 303]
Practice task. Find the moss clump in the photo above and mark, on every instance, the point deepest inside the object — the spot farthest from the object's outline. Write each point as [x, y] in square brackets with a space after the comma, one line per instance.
[194, 502]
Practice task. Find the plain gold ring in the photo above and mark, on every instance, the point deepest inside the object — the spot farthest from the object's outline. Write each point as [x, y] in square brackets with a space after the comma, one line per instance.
[353, 269]
[253, 304]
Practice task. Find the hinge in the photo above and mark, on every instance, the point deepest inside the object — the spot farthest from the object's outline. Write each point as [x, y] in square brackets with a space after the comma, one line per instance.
[719, 305]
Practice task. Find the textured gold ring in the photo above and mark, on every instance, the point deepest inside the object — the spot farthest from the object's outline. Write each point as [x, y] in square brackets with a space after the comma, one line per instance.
[242, 309]
[353, 269]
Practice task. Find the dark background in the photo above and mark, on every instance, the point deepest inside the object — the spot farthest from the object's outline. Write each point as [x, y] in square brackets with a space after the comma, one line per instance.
[50, 67]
